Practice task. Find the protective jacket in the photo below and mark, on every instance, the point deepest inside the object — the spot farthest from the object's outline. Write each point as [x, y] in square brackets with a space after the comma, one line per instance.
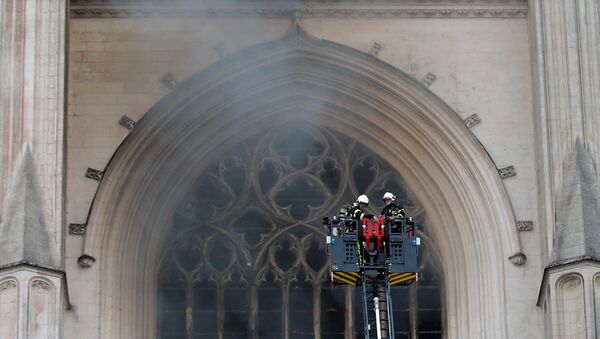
[393, 210]
[356, 212]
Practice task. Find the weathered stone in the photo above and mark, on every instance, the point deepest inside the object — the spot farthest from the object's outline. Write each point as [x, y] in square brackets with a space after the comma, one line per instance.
[577, 235]
[25, 236]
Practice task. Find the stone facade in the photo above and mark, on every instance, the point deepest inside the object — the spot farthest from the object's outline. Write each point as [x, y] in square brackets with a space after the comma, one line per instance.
[497, 91]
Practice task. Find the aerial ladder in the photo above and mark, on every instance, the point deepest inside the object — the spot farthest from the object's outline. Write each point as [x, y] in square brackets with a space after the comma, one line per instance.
[374, 255]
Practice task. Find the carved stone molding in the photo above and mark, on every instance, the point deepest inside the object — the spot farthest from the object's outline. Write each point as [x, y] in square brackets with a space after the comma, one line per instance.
[308, 9]
[77, 229]
[308, 13]
[518, 259]
[473, 120]
[127, 122]
[523, 226]
[429, 79]
[8, 284]
[94, 174]
[507, 172]
[40, 284]
[86, 261]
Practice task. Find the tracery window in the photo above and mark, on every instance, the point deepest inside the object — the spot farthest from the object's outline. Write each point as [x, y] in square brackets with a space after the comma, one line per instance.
[246, 255]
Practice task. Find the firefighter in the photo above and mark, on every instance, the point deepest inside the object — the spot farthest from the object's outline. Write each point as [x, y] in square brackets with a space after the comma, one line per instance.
[358, 208]
[390, 209]
[357, 211]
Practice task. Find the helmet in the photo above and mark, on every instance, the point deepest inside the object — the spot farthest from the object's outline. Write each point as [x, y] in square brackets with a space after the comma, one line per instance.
[362, 199]
[389, 195]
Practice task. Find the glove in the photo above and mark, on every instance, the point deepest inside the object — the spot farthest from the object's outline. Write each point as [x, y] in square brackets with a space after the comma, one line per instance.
[369, 216]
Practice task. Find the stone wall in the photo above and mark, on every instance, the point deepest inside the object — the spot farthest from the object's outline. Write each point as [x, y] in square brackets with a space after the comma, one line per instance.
[118, 67]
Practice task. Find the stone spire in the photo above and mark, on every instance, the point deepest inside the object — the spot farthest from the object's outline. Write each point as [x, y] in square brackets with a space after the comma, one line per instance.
[24, 236]
[577, 234]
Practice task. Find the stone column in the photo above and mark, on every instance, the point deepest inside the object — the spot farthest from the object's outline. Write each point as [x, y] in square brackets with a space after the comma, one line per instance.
[33, 293]
[566, 56]
[32, 89]
[566, 47]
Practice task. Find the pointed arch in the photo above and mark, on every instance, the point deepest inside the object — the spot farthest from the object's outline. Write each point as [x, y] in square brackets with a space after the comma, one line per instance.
[354, 93]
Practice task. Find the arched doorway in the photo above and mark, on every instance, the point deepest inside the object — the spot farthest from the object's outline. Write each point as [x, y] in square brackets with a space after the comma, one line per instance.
[246, 259]
[469, 217]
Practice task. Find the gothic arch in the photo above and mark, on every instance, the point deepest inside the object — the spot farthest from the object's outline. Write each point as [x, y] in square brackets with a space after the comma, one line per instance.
[444, 165]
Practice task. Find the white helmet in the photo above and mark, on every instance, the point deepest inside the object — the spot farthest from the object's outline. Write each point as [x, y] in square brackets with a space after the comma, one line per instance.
[362, 199]
[389, 195]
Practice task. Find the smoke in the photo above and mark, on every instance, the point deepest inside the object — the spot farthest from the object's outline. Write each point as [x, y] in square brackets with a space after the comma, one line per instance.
[309, 176]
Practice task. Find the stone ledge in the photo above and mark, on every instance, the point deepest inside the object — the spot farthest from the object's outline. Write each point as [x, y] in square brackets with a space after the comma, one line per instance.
[308, 9]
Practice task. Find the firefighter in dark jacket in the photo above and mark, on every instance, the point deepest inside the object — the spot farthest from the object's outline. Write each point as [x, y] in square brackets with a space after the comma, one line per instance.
[390, 209]
[357, 211]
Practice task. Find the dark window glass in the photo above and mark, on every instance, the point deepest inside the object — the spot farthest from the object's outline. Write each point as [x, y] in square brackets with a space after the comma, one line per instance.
[246, 257]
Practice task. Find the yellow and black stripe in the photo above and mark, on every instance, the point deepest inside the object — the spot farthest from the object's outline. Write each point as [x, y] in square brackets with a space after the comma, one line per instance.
[349, 278]
[402, 278]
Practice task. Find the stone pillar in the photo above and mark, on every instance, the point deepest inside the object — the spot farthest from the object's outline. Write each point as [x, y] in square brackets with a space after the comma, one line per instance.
[32, 92]
[566, 49]
[33, 292]
[566, 56]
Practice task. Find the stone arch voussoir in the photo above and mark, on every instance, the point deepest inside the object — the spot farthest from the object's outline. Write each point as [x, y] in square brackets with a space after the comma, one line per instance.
[420, 136]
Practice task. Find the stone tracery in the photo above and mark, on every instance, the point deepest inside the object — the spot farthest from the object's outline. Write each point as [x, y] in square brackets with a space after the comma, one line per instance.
[249, 230]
